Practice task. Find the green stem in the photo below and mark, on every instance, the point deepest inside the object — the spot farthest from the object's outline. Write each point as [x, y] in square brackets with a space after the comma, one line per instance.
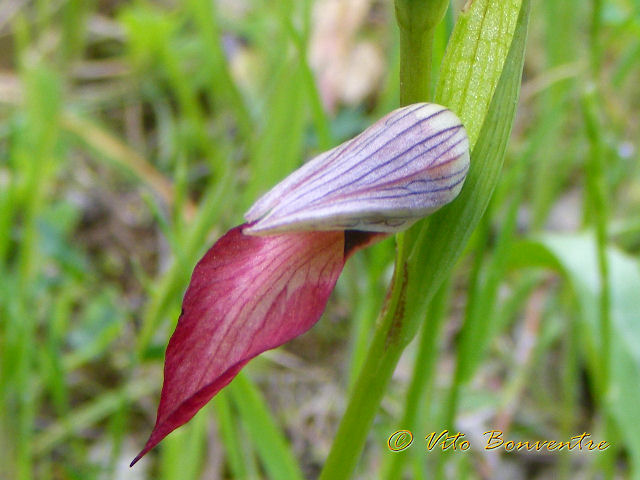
[417, 21]
[416, 49]
[367, 393]
[418, 395]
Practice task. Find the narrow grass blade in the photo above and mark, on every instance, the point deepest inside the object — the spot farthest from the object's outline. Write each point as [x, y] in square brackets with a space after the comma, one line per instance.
[270, 444]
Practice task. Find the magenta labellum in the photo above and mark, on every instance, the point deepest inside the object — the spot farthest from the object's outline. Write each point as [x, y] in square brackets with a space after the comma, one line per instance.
[265, 282]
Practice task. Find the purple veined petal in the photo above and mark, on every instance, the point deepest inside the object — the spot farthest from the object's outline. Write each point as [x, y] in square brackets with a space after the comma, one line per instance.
[402, 168]
[303, 174]
[248, 294]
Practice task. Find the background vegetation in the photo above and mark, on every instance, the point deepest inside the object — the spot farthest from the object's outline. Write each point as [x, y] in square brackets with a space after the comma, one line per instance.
[133, 133]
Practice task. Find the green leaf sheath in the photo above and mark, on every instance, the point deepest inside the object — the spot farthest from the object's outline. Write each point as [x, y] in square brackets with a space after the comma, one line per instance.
[436, 245]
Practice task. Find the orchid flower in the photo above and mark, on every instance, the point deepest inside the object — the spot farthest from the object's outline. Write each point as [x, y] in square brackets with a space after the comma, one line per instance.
[267, 281]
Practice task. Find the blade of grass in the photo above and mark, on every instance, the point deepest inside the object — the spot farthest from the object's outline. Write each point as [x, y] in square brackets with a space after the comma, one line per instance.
[235, 451]
[301, 40]
[277, 458]
[479, 326]
[35, 159]
[111, 148]
[561, 23]
[597, 207]
[286, 117]
[183, 452]
[222, 83]
[91, 413]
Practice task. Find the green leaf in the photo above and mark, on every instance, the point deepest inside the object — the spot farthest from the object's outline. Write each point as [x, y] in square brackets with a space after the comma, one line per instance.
[439, 241]
[575, 256]
[474, 59]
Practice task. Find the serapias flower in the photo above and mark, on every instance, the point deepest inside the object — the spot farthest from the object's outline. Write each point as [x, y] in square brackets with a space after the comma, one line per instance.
[267, 281]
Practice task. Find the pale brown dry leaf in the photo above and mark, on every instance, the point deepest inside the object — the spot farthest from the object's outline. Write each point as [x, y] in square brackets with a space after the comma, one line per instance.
[347, 69]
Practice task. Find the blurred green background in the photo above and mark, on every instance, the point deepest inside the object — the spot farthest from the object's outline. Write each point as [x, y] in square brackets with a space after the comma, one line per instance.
[134, 133]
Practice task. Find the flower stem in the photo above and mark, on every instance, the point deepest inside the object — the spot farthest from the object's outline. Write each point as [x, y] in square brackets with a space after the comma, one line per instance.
[417, 20]
[368, 391]
[415, 66]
